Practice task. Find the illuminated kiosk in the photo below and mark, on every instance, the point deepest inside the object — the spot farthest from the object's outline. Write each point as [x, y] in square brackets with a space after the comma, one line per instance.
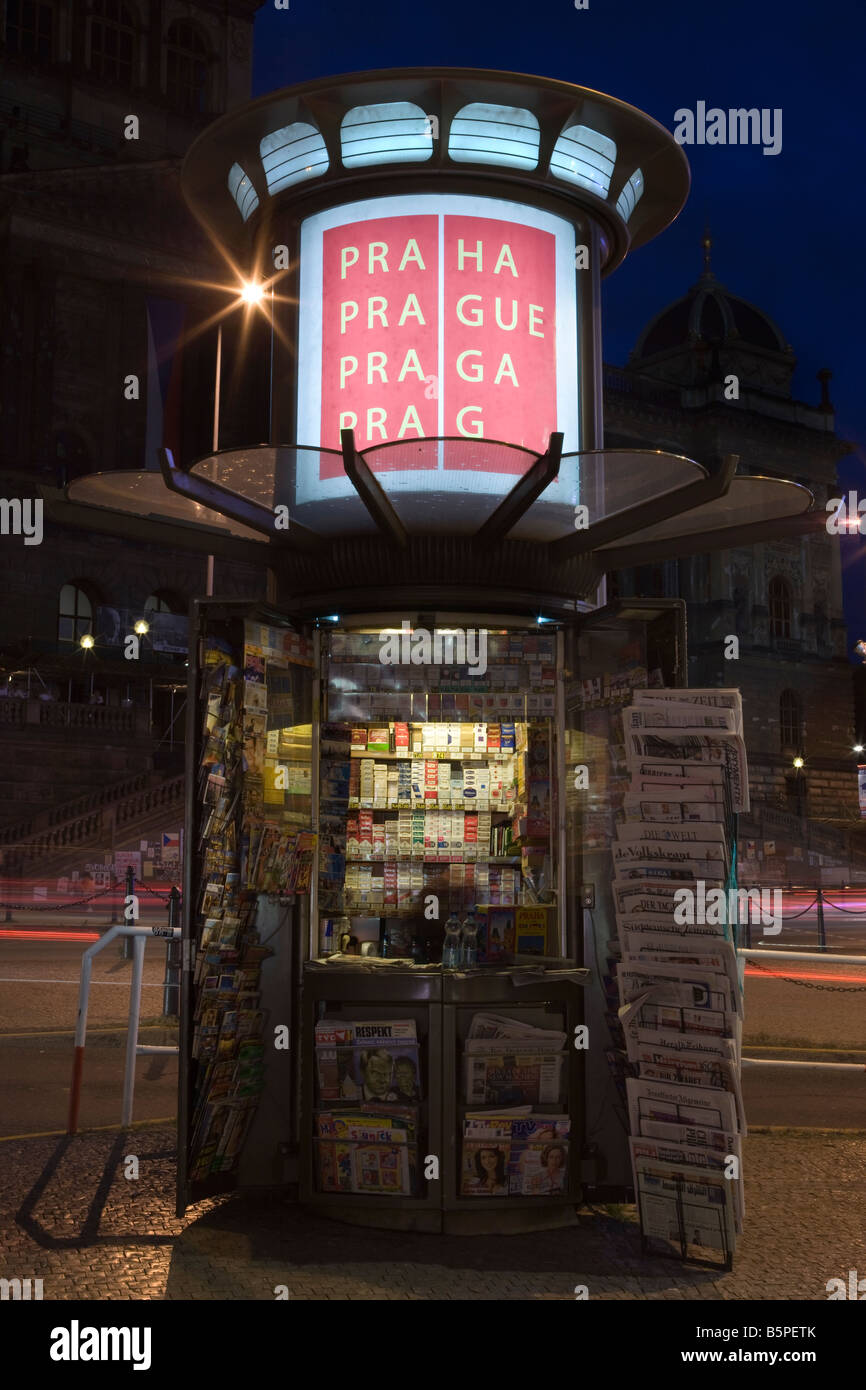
[430, 245]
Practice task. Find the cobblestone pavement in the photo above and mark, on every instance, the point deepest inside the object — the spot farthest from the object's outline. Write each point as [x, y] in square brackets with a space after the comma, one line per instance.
[69, 1216]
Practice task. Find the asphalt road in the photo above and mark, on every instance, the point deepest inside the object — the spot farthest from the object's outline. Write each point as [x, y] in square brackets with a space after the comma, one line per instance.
[39, 979]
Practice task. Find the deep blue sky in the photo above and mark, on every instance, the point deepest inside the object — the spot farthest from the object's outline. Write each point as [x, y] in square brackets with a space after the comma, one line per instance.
[787, 229]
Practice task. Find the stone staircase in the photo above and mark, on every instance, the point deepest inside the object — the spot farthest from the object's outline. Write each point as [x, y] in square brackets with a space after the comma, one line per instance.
[54, 841]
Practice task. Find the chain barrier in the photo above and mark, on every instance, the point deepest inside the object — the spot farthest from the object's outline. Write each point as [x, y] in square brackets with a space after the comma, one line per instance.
[838, 908]
[809, 984]
[79, 902]
[792, 916]
[786, 916]
[154, 892]
[54, 907]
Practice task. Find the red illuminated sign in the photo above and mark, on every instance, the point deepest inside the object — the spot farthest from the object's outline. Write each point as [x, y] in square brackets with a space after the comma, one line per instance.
[435, 316]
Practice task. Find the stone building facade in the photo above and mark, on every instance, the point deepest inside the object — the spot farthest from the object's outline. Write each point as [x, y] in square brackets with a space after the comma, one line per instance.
[710, 376]
[96, 248]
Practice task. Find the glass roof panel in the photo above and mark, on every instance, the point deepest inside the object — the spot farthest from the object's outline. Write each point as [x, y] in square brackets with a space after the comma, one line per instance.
[147, 496]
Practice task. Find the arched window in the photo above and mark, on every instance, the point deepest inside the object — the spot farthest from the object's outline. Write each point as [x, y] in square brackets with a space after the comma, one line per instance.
[186, 68]
[780, 608]
[75, 614]
[30, 29]
[790, 722]
[113, 42]
[164, 601]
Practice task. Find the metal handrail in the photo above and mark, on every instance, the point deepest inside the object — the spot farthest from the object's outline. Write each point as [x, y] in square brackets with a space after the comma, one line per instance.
[134, 1049]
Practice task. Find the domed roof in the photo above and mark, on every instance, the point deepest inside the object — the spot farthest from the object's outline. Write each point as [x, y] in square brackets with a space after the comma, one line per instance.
[710, 314]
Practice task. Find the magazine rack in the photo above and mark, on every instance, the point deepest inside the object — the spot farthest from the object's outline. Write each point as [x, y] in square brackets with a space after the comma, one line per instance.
[442, 1002]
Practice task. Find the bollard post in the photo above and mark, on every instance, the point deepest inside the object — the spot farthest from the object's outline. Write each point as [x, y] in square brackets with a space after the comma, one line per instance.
[822, 932]
[171, 983]
[126, 951]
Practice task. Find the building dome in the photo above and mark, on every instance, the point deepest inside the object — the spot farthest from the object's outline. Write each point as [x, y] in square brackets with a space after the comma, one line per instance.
[710, 314]
[712, 329]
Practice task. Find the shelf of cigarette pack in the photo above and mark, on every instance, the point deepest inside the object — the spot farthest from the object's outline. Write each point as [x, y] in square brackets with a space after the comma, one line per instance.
[440, 857]
[436, 755]
[357, 803]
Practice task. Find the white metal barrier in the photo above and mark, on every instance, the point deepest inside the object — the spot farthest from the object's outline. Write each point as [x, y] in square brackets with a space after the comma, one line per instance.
[134, 1049]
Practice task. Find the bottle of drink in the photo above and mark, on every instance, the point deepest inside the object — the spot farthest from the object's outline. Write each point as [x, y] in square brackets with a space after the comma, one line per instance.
[469, 940]
[451, 948]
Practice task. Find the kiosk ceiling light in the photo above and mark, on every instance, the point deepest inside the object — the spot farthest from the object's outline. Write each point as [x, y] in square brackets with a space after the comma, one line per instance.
[584, 157]
[393, 132]
[485, 134]
[241, 188]
[292, 154]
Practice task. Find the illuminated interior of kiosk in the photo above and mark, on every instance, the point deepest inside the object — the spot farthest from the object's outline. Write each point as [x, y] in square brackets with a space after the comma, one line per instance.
[437, 790]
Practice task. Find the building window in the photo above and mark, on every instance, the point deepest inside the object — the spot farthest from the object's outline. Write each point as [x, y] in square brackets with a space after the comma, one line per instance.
[112, 42]
[164, 602]
[790, 722]
[780, 608]
[30, 29]
[795, 792]
[75, 614]
[186, 71]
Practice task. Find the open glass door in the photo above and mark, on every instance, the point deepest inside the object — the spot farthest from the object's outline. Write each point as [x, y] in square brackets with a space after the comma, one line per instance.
[627, 645]
[248, 865]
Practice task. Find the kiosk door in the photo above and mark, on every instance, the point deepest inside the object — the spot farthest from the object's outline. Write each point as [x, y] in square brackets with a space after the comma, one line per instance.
[626, 645]
[249, 859]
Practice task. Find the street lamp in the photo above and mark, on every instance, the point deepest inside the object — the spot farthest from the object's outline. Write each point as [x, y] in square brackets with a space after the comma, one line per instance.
[142, 627]
[87, 641]
[252, 292]
[799, 762]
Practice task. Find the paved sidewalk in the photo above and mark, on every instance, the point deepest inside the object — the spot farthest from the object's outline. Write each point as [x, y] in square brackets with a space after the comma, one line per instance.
[69, 1216]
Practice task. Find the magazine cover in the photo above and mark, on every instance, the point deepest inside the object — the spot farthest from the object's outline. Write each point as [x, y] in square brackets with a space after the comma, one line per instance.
[344, 1166]
[538, 1168]
[484, 1170]
[386, 1075]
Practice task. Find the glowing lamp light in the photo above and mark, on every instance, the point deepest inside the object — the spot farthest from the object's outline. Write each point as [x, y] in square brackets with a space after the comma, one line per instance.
[859, 748]
[142, 627]
[799, 762]
[87, 641]
[252, 292]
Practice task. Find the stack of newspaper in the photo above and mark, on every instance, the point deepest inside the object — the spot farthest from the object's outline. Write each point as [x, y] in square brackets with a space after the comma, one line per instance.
[680, 1000]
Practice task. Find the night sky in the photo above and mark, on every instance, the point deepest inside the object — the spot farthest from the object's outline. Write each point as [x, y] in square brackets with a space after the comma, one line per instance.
[787, 228]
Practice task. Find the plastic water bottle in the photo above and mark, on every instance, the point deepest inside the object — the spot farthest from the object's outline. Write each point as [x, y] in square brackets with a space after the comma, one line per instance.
[451, 948]
[469, 940]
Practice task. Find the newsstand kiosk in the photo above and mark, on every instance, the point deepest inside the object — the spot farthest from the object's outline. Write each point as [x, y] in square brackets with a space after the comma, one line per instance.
[418, 742]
